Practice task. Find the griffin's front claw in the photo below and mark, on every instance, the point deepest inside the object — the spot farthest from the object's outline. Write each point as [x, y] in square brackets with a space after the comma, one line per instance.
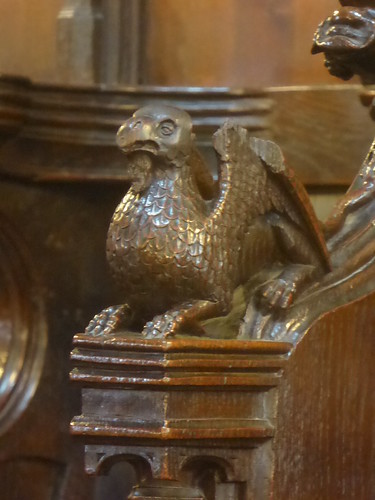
[162, 326]
[107, 321]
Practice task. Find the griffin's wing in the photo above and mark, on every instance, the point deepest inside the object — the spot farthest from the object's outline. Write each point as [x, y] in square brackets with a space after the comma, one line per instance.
[288, 195]
[254, 180]
[242, 177]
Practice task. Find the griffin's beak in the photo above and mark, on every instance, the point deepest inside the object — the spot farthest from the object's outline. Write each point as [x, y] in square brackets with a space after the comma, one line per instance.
[130, 139]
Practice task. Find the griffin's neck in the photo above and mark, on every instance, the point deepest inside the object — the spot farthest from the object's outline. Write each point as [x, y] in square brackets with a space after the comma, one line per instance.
[189, 174]
[174, 176]
[178, 177]
[177, 183]
[172, 187]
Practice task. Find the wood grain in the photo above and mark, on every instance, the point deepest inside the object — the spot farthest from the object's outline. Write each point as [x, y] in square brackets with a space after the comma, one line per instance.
[325, 437]
[324, 133]
[28, 38]
[235, 43]
[212, 43]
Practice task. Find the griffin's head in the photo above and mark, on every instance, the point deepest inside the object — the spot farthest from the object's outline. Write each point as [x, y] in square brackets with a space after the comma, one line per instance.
[162, 131]
[155, 136]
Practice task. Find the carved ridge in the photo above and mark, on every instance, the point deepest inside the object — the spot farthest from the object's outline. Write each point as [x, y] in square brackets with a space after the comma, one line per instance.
[181, 430]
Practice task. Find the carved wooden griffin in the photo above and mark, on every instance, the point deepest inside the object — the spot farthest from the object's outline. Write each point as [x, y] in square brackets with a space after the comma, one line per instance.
[179, 243]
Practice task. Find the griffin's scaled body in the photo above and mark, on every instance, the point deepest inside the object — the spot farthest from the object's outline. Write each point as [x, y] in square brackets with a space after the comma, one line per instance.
[179, 244]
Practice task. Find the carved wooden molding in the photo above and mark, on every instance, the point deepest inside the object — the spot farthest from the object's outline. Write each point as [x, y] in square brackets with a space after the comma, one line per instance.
[76, 123]
[151, 401]
[23, 330]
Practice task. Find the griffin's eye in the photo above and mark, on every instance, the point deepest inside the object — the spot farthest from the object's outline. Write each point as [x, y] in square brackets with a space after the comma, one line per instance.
[137, 124]
[167, 127]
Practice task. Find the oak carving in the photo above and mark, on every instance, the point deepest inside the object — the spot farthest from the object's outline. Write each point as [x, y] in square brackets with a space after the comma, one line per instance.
[180, 244]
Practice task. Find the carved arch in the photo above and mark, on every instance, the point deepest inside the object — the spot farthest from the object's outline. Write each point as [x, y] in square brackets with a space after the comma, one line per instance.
[140, 464]
[206, 472]
[223, 466]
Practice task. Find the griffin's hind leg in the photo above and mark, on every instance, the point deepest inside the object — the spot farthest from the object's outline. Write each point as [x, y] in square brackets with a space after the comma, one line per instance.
[108, 320]
[267, 309]
[184, 317]
[279, 293]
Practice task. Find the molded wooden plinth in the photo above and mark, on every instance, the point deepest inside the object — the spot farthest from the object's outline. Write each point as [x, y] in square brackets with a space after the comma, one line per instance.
[172, 404]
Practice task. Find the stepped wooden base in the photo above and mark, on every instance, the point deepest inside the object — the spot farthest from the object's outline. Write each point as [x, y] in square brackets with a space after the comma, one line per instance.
[179, 408]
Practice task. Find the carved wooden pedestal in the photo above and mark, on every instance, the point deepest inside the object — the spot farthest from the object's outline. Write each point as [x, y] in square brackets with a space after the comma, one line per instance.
[235, 419]
[196, 416]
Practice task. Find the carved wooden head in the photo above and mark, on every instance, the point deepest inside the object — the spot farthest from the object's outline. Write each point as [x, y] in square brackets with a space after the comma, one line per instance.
[160, 130]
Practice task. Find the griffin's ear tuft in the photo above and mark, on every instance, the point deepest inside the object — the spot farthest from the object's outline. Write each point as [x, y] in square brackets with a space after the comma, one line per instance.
[228, 133]
[269, 152]
[218, 140]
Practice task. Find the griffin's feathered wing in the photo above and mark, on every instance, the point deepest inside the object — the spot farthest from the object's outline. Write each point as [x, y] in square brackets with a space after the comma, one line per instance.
[255, 180]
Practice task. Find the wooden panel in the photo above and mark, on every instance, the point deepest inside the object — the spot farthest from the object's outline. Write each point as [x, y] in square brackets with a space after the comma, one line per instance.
[28, 38]
[325, 435]
[217, 42]
[235, 42]
[214, 43]
[325, 133]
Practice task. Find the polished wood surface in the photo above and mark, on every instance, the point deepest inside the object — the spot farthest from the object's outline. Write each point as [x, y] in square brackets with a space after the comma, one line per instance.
[213, 43]
[240, 42]
[325, 431]
[28, 38]
[324, 132]
[158, 416]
